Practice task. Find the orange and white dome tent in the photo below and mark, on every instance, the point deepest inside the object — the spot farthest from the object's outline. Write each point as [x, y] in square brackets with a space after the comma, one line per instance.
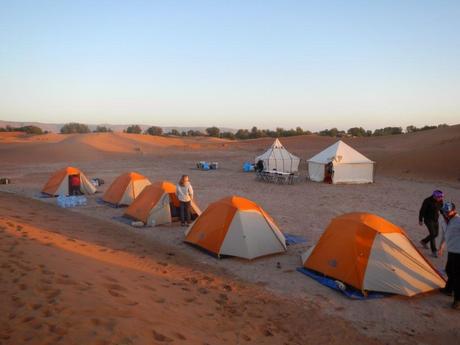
[58, 184]
[369, 253]
[125, 188]
[157, 204]
[236, 226]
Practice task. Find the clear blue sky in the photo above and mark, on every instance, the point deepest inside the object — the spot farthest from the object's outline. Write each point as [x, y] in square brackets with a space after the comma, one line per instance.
[316, 64]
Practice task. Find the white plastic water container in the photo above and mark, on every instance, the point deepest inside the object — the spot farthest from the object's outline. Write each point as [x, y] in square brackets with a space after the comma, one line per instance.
[71, 201]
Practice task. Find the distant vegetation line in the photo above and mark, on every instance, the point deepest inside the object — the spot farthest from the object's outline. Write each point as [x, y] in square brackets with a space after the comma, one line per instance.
[241, 134]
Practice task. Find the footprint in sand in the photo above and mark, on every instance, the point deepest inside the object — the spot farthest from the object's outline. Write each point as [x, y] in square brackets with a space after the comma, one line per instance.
[35, 306]
[245, 337]
[46, 281]
[17, 301]
[114, 293]
[116, 287]
[60, 331]
[203, 291]
[111, 279]
[28, 319]
[160, 337]
[223, 299]
[47, 313]
[51, 296]
[148, 287]
[180, 336]
[64, 281]
[227, 287]
[96, 322]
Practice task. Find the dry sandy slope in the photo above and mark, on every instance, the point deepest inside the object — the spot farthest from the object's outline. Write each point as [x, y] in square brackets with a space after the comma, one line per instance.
[430, 154]
[304, 209]
[71, 279]
[20, 148]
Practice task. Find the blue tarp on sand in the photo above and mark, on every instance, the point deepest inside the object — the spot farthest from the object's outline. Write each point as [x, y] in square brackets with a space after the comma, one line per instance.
[294, 239]
[331, 283]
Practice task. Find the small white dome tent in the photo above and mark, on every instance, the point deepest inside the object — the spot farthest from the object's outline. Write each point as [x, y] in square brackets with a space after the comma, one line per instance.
[278, 158]
[349, 166]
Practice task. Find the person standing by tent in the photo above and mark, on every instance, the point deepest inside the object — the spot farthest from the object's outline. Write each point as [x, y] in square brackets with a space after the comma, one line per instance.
[329, 173]
[260, 166]
[75, 185]
[429, 215]
[184, 193]
[452, 241]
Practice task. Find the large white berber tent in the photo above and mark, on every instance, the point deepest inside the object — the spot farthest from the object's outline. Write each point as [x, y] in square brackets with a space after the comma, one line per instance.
[278, 158]
[349, 165]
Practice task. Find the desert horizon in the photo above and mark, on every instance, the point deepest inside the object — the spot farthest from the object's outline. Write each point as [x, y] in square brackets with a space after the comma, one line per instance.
[82, 275]
[229, 173]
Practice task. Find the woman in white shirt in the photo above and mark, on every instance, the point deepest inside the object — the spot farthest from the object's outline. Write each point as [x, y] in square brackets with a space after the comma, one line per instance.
[184, 193]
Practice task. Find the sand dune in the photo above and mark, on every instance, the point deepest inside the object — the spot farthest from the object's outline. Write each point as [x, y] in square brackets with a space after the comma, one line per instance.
[62, 284]
[17, 147]
[430, 154]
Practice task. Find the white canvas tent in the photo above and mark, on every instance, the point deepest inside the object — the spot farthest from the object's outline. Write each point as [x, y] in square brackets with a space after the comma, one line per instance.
[349, 165]
[278, 158]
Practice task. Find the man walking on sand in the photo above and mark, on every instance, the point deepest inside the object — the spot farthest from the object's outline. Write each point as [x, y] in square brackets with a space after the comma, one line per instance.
[452, 241]
[429, 215]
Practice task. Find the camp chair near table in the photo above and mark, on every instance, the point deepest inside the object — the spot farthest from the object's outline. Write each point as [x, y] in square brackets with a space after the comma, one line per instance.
[278, 177]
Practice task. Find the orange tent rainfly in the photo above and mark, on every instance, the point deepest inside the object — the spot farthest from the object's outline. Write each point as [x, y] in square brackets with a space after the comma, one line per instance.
[369, 253]
[236, 226]
[157, 204]
[58, 184]
[125, 188]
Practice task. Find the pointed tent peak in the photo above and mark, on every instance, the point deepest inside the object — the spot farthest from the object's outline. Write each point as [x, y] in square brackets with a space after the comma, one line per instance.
[71, 170]
[131, 176]
[376, 223]
[239, 203]
[277, 144]
[167, 186]
[340, 152]
[135, 176]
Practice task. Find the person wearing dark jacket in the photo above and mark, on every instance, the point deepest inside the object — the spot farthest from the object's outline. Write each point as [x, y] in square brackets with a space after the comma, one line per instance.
[260, 166]
[429, 215]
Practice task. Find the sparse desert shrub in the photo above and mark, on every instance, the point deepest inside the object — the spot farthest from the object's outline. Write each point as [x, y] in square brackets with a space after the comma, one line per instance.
[154, 130]
[74, 127]
[136, 129]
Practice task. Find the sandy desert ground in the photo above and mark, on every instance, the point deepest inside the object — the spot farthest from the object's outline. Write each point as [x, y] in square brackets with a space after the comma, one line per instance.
[80, 276]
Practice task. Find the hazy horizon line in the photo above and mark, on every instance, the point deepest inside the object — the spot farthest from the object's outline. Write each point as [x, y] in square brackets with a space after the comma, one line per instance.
[108, 124]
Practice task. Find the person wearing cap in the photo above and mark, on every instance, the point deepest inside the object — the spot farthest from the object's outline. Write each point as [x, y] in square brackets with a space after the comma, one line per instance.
[451, 240]
[429, 215]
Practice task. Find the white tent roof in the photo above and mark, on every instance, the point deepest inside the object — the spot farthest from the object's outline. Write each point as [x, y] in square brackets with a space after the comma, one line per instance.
[277, 151]
[277, 157]
[340, 153]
